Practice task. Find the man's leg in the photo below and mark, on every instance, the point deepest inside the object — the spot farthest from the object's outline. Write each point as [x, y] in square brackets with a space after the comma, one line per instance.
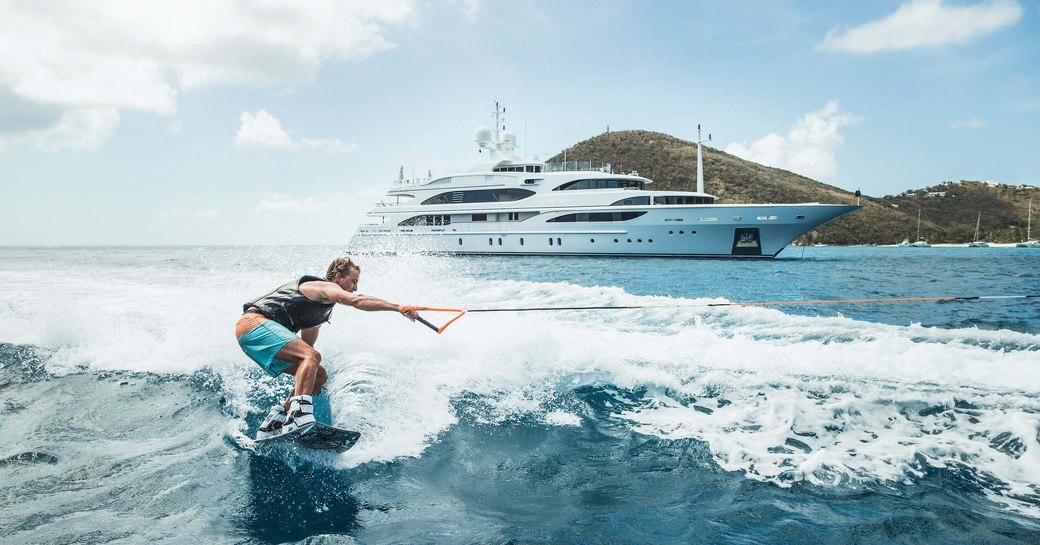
[309, 378]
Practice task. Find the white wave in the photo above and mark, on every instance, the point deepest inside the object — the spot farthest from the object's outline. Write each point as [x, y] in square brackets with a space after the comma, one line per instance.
[815, 399]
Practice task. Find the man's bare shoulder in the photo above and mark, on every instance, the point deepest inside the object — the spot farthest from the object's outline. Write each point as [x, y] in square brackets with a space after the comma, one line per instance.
[320, 291]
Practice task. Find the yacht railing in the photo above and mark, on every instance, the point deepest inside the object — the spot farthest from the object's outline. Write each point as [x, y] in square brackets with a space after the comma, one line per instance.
[408, 182]
[576, 166]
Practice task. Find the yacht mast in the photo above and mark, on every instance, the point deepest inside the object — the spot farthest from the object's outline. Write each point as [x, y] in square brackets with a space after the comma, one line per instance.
[700, 163]
[499, 116]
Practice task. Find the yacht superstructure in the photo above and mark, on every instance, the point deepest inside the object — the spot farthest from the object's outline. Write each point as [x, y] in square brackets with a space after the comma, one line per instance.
[510, 206]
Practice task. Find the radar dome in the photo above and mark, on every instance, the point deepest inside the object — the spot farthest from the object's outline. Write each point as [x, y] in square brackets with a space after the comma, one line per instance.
[482, 135]
[508, 141]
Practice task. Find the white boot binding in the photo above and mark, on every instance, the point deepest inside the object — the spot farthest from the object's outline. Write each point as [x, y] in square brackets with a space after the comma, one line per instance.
[301, 415]
[272, 424]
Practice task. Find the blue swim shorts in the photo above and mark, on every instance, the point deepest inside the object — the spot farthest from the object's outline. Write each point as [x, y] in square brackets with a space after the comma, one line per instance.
[262, 344]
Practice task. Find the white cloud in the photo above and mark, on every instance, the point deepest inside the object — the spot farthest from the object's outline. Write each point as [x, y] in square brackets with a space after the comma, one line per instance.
[924, 23]
[469, 8]
[81, 129]
[105, 56]
[973, 123]
[263, 131]
[277, 204]
[808, 149]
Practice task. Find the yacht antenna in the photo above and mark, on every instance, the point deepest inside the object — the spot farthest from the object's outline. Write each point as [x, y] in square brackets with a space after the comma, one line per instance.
[700, 164]
[500, 119]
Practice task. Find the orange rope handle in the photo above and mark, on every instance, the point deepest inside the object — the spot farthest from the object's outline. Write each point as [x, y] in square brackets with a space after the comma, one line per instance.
[405, 308]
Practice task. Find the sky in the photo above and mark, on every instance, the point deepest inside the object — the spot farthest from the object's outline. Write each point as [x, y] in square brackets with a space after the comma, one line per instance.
[201, 122]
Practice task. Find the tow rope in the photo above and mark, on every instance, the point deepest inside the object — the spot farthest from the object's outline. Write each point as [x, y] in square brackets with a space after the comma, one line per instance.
[461, 312]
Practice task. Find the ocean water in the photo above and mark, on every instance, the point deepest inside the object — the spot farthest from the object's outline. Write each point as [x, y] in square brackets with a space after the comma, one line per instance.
[129, 406]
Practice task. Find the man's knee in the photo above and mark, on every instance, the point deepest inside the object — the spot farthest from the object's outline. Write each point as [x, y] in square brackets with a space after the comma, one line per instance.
[312, 357]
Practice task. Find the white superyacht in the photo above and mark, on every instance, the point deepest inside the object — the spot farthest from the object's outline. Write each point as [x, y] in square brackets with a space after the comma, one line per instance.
[510, 206]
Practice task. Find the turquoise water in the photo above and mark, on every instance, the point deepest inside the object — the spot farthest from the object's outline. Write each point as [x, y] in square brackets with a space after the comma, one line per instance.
[676, 423]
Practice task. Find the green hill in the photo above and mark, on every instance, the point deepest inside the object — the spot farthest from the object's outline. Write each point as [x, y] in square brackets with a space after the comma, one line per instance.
[672, 164]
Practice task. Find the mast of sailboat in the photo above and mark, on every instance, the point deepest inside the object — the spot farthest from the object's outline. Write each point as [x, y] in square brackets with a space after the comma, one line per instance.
[700, 162]
[1029, 222]
[977, 223]
[918, 223]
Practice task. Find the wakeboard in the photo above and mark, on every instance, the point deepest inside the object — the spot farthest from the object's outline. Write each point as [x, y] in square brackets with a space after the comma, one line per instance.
[319, 437]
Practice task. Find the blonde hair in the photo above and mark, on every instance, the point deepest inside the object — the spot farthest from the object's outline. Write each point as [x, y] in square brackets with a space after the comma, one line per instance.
[341, 265]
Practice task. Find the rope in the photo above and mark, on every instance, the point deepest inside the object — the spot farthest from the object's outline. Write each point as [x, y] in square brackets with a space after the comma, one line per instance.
[461, 312]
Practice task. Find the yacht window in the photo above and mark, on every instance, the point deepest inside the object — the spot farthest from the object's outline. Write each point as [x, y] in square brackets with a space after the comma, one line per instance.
[597, 217]
[682, 199]
[632, 201]
[479, 195]
[431, 219]
[601, 183]
[479, 217]
[520, 168]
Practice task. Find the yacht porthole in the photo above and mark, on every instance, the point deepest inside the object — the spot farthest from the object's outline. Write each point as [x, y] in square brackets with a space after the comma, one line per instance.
[799, 217]
[460, 242]
[615, 241]
[630, 241]
[592, 240]
[521, 241]
[671, 232]
[491, 242]
[651, 241]
[559, 242]
[680, 232]
[639, 240]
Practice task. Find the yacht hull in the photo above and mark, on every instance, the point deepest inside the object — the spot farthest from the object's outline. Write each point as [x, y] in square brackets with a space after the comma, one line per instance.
[732, 231]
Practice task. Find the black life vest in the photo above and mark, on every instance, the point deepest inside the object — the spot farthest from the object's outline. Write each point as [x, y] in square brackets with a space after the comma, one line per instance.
[287, 306]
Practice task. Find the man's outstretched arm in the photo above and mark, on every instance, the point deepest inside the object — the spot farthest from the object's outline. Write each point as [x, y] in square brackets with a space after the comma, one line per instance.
[329, 292]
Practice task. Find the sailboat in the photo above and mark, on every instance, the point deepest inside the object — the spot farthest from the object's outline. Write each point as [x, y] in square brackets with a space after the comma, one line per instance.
[1030, 241]
[976, 243]
[920, 242]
